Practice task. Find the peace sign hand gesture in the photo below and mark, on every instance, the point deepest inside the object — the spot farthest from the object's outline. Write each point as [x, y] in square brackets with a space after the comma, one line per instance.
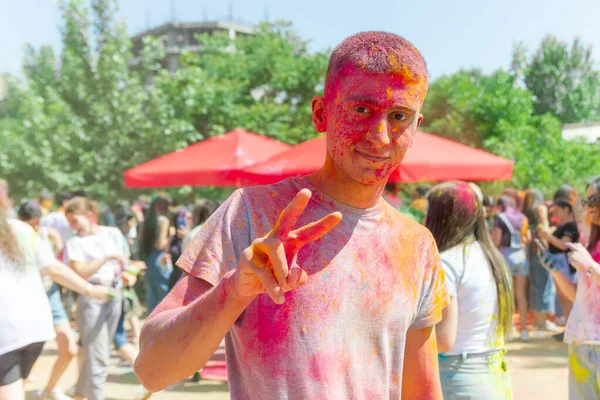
[269, 263]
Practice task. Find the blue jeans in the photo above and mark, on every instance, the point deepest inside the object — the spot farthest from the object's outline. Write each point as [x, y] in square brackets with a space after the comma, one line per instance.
[542, 291]
[475, 378]
[517, 261]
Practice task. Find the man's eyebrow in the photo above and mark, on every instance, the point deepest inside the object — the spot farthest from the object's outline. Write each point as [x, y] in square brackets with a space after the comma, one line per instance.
[360, 98]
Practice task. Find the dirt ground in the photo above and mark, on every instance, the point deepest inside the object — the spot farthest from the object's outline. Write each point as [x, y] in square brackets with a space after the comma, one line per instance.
[538, 370]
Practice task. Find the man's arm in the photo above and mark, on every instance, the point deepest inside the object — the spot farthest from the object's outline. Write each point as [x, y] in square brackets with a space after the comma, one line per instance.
[421, 375]
[192, 320]
[185, 329]
[85, 270]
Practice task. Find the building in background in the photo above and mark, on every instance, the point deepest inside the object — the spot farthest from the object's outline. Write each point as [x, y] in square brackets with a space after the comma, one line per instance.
[590, 131]
[177, 37]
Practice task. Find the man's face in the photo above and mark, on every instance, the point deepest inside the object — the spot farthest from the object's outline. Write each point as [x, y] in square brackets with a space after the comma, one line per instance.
[370, 123]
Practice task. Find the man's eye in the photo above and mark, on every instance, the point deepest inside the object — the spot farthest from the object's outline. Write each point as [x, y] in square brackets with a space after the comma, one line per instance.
[361, 110]
[399, 116]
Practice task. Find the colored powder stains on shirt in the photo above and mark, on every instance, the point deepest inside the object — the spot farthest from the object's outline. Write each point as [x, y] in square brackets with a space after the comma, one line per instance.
[583, 326]
[341, 335]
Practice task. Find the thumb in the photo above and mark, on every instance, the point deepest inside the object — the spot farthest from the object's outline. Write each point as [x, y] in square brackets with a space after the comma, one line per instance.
[296, 278]
[571, 246]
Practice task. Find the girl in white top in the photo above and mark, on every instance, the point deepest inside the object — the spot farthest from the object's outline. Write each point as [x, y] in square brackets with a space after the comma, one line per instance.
[471, 334]
[25, 315]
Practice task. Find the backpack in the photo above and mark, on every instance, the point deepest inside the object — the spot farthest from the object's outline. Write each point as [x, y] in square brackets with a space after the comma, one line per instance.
[515, 236]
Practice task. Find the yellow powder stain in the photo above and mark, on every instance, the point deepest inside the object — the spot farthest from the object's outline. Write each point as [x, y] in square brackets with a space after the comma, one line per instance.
[580, 373]
[393, 63]
[388, 91]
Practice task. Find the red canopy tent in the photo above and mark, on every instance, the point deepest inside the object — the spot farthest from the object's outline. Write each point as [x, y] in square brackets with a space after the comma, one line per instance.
[217, 161]
[431, 158]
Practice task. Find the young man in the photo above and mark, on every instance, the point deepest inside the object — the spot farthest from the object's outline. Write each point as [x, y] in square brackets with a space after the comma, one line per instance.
[321, 289]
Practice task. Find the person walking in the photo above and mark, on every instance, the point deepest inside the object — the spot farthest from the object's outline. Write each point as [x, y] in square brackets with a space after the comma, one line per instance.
[511, 235]
[30, 213]
[542, 291]
[98, 254]
[154, 245]
[25, 312]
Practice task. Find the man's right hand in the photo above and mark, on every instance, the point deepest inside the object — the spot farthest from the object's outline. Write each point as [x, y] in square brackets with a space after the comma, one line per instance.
[269, 263]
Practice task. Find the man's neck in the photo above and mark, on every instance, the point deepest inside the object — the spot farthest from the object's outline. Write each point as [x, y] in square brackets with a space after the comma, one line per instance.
[343, 188]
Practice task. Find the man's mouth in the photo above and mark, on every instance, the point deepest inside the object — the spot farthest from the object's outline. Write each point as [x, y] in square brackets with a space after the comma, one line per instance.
[373, 158]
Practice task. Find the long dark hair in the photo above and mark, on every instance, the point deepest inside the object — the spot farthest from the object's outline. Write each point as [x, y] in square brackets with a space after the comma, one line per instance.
[159, 206]
[455, 213]
[534, 198]
[595, 231]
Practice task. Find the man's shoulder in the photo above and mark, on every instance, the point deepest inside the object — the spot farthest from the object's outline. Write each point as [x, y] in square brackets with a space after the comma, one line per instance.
[406, 224]
[280, 193]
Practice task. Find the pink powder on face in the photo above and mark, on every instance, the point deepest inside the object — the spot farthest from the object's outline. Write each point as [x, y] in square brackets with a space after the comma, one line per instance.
[374, 115]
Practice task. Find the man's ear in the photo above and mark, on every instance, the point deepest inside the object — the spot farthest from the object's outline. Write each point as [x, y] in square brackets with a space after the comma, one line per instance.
[419, 120]
[318, 113]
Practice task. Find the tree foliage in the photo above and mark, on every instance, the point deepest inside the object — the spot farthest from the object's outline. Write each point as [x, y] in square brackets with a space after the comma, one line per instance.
[493, 112]
[562, 78]
[85, 116]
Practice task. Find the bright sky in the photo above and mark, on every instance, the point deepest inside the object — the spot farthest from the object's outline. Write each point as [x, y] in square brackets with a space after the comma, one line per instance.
[450, 34]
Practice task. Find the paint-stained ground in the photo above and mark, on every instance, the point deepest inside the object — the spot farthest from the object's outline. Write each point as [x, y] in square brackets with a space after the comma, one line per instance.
[538, 370]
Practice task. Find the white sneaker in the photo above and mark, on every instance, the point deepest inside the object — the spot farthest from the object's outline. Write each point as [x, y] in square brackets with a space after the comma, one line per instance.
[548, 326]
[525, 336]
[561, 321]
[55, 395]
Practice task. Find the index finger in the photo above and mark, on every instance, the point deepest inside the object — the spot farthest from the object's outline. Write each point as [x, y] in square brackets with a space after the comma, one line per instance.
[289, 216]
[315, 230]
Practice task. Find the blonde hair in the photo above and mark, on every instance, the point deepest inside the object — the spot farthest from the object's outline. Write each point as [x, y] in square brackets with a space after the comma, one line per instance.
[80, 205]
[9, 245]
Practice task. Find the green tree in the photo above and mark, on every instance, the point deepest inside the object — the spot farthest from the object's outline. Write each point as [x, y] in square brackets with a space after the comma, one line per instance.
[562, 78]
[82, 118]
[494, 113]
[262, 82]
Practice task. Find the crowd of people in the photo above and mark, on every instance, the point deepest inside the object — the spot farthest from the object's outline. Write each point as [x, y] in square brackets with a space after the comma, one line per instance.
[319, 287]
[93, 251]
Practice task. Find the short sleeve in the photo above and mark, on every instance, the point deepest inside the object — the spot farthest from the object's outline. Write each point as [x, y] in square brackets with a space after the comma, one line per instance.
[498, 223]
[571, 230]
[451, 275]
[434, 294]
[44, 256]
[75, 251]
[216, 248]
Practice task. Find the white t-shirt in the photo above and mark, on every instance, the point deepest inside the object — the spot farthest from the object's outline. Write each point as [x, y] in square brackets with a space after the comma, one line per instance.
[469, 277]
[107, 241]
[58, 221]
[25, 314]
[342, 335]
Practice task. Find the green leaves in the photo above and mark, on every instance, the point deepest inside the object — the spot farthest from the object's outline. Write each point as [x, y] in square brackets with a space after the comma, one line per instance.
[563, 80]
[83, 118]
